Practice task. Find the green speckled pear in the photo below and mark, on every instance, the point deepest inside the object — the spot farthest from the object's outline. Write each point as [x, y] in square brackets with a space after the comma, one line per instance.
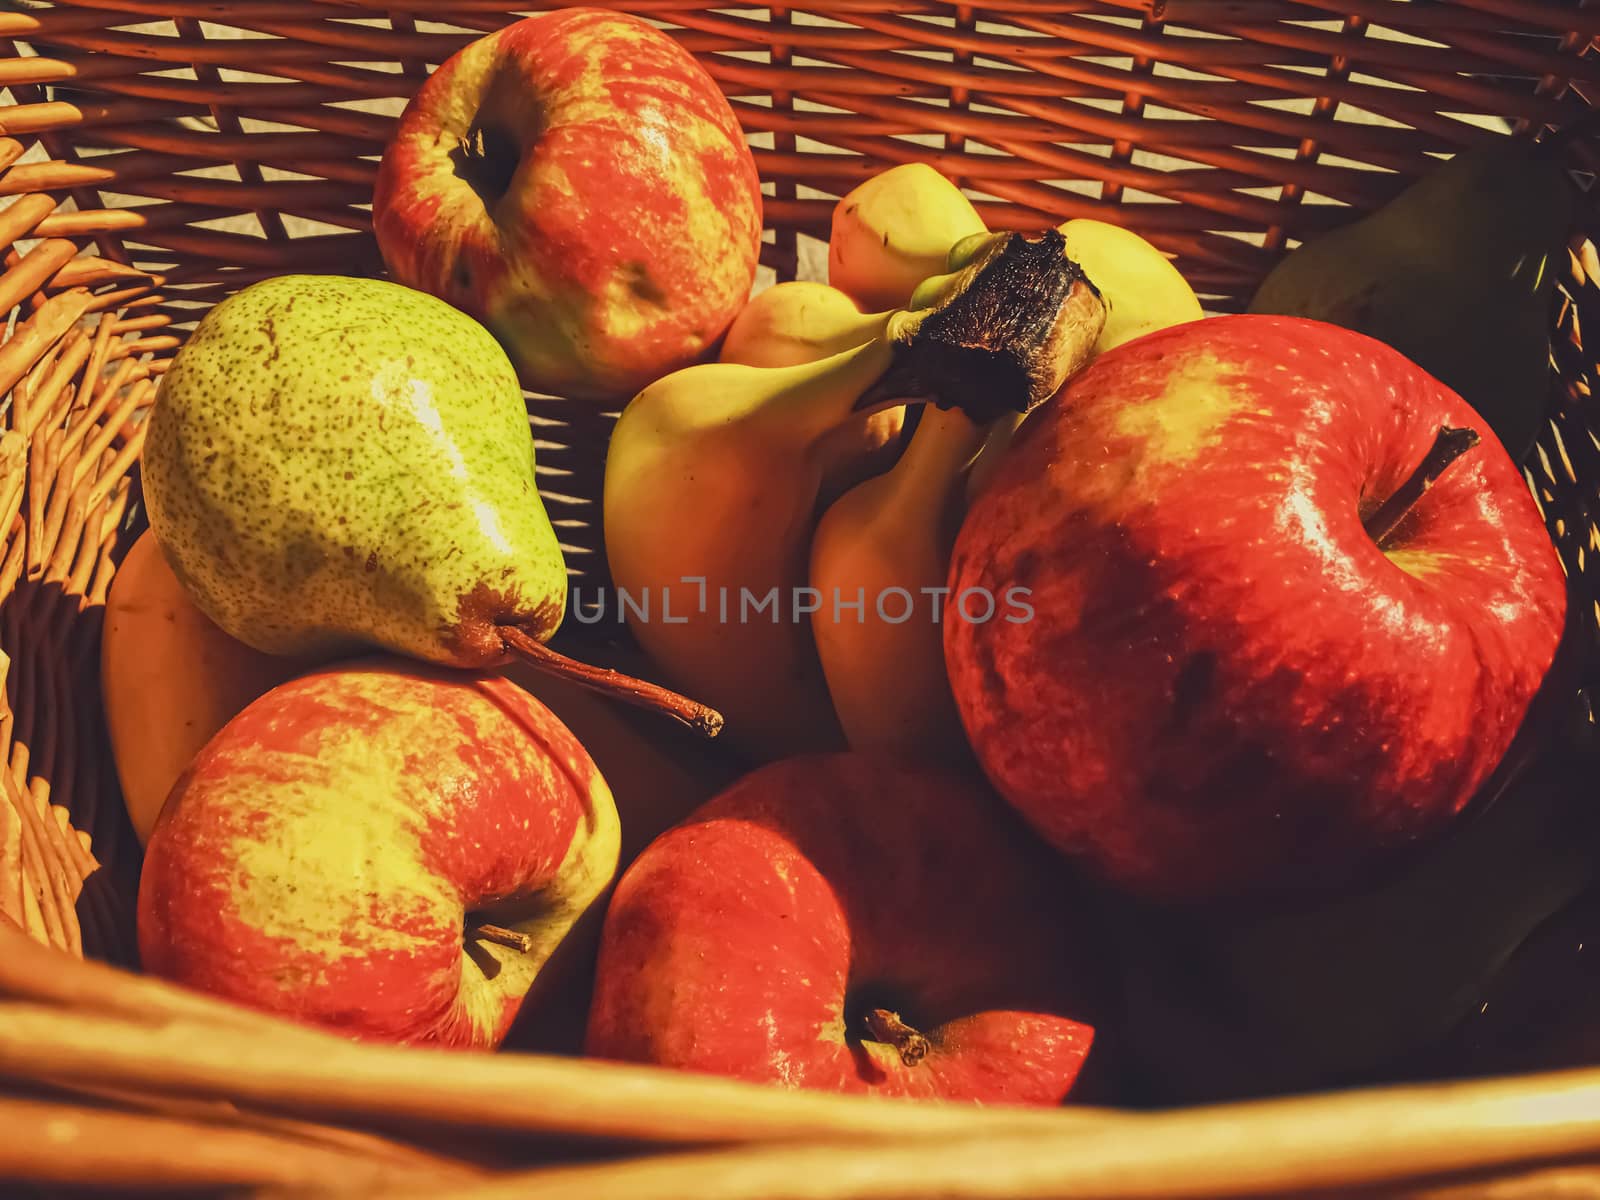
[340, 463]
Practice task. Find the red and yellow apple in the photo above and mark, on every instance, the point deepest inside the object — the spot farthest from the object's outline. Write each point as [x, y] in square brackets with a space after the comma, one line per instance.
[577, 182]
[1273, 635]
[386, 849]
[855, 924]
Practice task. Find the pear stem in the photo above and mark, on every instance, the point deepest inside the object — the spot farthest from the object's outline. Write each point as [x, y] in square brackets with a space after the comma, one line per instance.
[887, 1027]
[1449, 445]
[500, 936]
[704, 720]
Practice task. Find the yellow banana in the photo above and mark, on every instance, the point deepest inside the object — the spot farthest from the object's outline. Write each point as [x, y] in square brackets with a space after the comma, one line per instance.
[879, 560]
[713, 476]
[1140, 287]
[887, 677]
[988, 460]
[799, 322]
[710, 500]
[893, 231]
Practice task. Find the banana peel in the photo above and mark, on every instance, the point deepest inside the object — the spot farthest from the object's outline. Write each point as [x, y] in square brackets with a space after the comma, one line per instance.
[713, 477]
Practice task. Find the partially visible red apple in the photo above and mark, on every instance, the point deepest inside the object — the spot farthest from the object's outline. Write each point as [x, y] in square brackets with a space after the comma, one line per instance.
[386, 849]
[577, 182]
[1257, 657]
[853, 924]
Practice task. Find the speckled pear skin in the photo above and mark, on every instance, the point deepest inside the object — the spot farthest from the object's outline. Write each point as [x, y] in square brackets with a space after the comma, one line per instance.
[335, 463]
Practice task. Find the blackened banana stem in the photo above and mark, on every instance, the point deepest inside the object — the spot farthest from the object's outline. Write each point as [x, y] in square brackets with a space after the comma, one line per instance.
[1007, 332]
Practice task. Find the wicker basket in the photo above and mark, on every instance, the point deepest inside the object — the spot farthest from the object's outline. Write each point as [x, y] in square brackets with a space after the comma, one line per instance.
[158, 154]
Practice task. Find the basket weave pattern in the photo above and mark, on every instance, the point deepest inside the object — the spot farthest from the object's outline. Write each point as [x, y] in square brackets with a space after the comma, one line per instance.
[156, 155]
[1041, 109]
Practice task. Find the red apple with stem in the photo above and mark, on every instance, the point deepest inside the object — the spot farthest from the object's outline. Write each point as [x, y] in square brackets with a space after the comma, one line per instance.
[854, 924]
[577, 182]
[387, 849]
[1291, 600]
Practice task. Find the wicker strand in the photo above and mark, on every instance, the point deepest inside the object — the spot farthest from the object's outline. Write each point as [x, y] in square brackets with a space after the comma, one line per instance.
[521, 1093]
[106, 1148]
[1258, 60]
[1324, 1148]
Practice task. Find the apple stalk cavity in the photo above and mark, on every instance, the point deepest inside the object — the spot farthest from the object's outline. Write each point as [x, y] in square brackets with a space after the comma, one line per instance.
[1450, 445]
[578, 183]
[486, 159]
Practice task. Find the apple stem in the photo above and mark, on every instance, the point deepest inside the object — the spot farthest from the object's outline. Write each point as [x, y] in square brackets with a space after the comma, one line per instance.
[501, 936]
[699, 717]
[1449, 445]
[888, 1028]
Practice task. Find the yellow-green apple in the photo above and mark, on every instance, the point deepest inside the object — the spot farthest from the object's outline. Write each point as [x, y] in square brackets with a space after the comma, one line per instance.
[578, 183]
[387, 849]
[1290, 600]
[852, 923]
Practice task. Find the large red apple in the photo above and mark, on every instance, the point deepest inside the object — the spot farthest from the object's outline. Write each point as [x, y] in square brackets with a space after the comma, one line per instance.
[577, 182]
[1239, 672]
[387, 849]
[853, 924]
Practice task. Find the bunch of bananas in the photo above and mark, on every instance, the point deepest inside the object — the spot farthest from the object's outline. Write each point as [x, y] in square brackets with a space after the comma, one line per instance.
[779, 534]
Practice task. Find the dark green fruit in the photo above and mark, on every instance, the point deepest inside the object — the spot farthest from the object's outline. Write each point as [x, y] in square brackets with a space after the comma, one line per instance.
[1456, 273]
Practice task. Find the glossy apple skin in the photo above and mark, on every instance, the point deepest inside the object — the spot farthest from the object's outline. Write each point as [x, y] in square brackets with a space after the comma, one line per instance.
[320, 856]
[627, 239]
[742, 942]
[1227, 688]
